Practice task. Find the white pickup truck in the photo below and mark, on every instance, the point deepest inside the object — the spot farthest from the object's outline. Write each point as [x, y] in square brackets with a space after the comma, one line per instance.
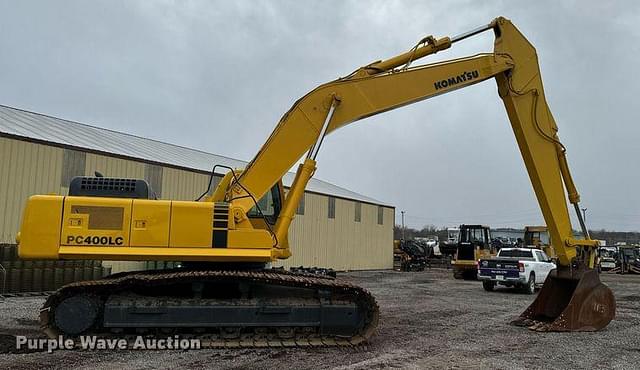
[524, 268]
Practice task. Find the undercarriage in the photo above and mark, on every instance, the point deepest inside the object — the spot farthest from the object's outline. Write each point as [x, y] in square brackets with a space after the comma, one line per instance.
[253, 308]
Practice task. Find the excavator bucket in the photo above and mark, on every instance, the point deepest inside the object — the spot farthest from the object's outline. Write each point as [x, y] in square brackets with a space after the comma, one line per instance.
[578, 303]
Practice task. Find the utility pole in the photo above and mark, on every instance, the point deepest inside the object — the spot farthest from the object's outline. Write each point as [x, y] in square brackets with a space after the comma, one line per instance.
[402, 212]
[584, 215]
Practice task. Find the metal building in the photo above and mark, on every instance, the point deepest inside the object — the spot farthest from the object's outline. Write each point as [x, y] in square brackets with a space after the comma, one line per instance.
[40, 154]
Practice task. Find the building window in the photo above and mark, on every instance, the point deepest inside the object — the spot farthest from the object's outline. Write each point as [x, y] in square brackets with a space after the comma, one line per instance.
[332, 207]
[358, 214]
[300, 209]
[153, 175]
[380, 215]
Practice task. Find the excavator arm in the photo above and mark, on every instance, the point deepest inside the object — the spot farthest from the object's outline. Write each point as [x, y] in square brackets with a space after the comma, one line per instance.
[386, 85]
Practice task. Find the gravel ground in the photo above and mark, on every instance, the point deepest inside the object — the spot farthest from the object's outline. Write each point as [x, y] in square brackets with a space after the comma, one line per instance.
[428, 320]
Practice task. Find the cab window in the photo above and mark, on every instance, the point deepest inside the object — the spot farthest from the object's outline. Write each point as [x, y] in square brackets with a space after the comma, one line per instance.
[472, 235]
[269, 204]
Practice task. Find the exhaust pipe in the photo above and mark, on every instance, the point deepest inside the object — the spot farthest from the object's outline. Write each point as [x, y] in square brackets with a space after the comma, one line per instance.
[570, 302]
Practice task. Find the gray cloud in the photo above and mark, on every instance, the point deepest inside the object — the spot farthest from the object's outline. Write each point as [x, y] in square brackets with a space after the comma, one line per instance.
[217, 76]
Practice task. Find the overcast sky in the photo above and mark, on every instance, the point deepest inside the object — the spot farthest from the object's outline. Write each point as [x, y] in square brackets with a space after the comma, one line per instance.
[218, 75]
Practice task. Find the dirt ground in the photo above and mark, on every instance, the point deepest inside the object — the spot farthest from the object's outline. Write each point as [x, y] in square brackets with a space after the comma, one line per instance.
[428, 320]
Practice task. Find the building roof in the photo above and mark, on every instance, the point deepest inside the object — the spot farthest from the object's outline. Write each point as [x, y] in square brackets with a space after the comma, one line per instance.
[39, 127]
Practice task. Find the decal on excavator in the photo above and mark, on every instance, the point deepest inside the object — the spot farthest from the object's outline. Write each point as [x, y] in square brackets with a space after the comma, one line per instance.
[95, 240]
[466, 76]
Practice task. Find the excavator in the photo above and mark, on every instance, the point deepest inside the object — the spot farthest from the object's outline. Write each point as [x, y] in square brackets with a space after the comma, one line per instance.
[225, 293]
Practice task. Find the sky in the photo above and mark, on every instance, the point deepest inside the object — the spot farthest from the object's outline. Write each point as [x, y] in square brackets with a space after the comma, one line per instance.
[218, 75]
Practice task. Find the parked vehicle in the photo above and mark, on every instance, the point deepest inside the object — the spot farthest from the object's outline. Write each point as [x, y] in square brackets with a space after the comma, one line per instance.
[474, 242]
[501, 242]
[409, 255]
[628, 260]
[449, 246]
[431, 245]
[607, 258]
[534, 237]
[524, 268]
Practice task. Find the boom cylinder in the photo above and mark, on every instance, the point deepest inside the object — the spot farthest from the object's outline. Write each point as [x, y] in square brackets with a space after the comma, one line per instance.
[433, 46]
[296, 192]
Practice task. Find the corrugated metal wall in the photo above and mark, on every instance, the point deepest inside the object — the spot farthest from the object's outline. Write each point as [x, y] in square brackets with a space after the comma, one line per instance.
[183, 185]
[25, 169]
[342, 243]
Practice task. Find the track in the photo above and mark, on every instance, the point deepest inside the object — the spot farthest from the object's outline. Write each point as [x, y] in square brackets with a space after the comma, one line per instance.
[25, 294]
[122, 285]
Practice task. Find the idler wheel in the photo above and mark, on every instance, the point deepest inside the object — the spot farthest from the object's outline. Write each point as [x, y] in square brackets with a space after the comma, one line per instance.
[76, 314]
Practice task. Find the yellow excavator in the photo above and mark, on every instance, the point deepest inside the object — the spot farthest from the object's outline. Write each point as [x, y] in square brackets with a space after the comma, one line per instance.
[224, 293]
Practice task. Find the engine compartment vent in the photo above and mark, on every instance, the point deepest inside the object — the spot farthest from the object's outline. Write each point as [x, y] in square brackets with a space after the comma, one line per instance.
[111, 187]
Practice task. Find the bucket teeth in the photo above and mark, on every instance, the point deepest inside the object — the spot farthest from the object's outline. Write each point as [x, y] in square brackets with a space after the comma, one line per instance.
[570, 303]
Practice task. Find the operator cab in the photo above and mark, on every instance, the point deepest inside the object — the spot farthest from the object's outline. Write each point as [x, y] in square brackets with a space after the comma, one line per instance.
[269, 206]
[535, 236]
[473, 238]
